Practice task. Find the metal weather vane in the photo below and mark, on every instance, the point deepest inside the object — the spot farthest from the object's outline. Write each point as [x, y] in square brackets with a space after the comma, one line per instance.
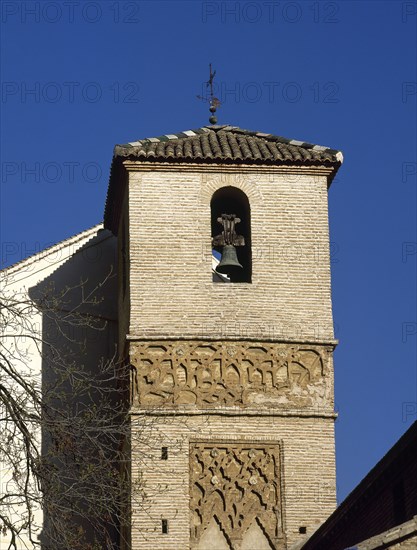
[213, 101]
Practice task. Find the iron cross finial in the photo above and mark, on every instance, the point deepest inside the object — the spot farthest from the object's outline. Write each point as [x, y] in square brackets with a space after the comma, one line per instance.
[213, 101]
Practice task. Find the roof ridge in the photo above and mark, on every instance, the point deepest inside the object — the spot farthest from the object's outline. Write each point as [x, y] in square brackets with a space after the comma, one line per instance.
[234, 129]
[221, 145]
[54, 247]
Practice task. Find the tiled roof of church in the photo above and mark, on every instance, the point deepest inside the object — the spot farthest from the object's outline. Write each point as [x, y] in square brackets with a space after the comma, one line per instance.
[220, 144]
[228, 144]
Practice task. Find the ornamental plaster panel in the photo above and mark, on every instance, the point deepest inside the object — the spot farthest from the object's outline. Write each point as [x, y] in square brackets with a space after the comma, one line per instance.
[237, 484]
[206, 375]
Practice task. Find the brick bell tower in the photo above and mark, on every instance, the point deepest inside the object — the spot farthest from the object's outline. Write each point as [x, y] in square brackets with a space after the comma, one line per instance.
[232, 434]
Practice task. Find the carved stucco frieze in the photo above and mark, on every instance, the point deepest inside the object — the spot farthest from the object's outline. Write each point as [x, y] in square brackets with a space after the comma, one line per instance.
[230, 373]
[236, 484]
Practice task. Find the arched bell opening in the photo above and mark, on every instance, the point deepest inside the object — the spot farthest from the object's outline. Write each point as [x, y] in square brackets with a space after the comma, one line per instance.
[231, 235]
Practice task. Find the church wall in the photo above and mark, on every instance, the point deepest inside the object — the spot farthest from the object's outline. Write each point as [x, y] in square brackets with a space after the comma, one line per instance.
[88, 257]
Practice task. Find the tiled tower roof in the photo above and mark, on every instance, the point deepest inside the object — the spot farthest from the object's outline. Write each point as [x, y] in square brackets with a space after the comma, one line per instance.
[221, 144]
[227, 144]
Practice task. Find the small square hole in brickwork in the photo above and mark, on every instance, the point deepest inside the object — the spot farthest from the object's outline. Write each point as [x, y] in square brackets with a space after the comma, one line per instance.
[302, 530]
[164, 453]
[164, 526]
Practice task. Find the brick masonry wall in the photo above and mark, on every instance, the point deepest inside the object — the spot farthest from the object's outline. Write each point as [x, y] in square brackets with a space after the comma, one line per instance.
[172, 296]
[308, 470]
[172, 293]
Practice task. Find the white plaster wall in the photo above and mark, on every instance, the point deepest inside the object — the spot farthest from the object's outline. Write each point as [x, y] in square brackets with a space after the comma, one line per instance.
[89, 256]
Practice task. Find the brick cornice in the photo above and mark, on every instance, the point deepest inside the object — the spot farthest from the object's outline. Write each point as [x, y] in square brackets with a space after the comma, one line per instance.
[137, 166]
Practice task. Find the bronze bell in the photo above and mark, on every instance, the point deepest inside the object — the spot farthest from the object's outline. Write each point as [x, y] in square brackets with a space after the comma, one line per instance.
[229, 262]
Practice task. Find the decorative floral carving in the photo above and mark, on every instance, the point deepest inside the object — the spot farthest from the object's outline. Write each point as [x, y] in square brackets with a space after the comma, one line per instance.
[210, 374]
[238, 485]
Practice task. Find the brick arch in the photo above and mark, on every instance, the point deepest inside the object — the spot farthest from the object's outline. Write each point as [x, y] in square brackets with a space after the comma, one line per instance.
[246, 182]
[233, 200]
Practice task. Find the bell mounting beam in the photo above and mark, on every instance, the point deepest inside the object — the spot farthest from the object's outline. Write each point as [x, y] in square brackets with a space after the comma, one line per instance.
[228, 235]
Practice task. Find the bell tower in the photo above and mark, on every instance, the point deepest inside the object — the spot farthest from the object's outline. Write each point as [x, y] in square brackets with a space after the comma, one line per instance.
[225, 318]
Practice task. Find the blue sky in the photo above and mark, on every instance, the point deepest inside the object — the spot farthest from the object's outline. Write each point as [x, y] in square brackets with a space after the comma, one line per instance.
[79, 77]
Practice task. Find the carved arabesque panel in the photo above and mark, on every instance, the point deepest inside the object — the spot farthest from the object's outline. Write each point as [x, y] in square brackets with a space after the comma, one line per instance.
[237, 484]
[209, 374]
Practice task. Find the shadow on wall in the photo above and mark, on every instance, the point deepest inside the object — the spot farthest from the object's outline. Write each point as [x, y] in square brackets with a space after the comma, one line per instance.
[83, 399]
